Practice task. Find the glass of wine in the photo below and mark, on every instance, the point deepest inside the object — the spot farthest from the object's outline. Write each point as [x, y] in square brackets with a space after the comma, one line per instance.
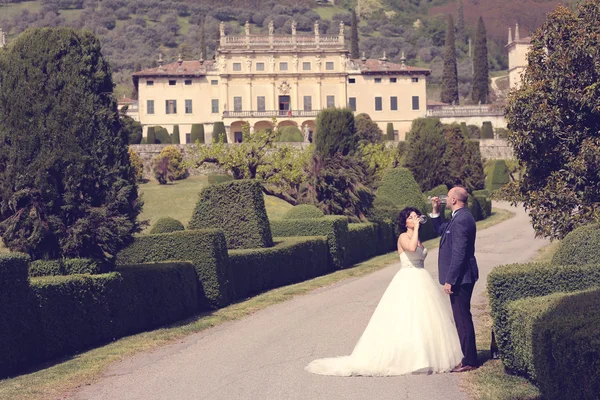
[442, 198]
[422, 219]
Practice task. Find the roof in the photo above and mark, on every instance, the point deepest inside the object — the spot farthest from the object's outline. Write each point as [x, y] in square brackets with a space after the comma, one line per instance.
[373, 66]
[187, 68]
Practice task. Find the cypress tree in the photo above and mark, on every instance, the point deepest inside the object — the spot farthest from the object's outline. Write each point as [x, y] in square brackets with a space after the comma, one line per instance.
[390, 132]
[67, 186]
[460, 22]
[197, 133]
[175, 139]
[336, 132]
[354, 52]
[162, 135]
[218, 130]
[480, 66]
[151, 136]
[202, 41]
[450, 77]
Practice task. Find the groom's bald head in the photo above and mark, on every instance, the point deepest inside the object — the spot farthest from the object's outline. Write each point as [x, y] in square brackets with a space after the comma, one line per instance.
[460, 193]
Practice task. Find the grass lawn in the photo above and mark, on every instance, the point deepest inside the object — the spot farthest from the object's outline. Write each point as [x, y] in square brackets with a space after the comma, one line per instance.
[14, 9]
[327, 12]
[179, 198]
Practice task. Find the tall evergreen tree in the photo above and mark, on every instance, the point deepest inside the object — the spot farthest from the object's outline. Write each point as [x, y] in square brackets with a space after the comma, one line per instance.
[450, 76]
[67, 186]
[480, 66]
[354, 52]
[460, 22]
[202, 42]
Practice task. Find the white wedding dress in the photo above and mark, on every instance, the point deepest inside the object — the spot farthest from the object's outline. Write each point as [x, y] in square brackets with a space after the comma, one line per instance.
[411, 330]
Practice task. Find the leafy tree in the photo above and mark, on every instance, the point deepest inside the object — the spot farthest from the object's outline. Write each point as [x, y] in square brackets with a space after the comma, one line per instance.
[425, 146]
[480, 66]
[67, 186]
[197, 134]
[450, 77]
[137, 163]
[379, 157]
[390, 132]
[462, 160]
[175, 139]
[203, 53]
[367, 131]
[169, 165]
[354, 52]
[554, 123]
[336, 132]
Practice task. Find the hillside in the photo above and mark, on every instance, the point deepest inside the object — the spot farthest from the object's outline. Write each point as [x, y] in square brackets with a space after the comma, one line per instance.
[133, 32]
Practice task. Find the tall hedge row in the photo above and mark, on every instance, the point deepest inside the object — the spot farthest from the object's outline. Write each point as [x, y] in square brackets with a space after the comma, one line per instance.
[205, 249]
[291, 260]
[497, 175]
[238, 209]
[363, 242]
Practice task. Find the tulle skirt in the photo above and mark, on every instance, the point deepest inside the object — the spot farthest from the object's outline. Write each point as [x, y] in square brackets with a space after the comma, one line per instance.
[411, 331]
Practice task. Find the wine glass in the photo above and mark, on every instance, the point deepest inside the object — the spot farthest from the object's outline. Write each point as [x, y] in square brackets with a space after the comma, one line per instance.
[442, 198]
[422, 219]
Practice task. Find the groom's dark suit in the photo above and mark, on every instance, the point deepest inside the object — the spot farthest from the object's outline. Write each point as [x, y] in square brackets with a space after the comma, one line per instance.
[458, 267]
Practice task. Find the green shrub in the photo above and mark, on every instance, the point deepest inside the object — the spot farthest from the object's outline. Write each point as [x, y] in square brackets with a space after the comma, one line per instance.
[151, 135]
[475, 207]
[502, 133]
[218, 130]
[474, 131]
[464, 130]
[291, 260]
[334, 227]
[143, 141]
[512, 282]
[166, 225]
[557, 338]
[136, 162]
[363, 242]
[217, 178]
[579, 247]
[483, 197]
[237, 208]
[440, 190]
[46, 268]
[383, 209]
[487, 131]
[67, 266]
[175, 138]
[497, 176]
[205, 249]
[389, 134]
[197, 134]
[303, 211]
[336, 132]
[162, 135]
[176, 164]
[290, 134]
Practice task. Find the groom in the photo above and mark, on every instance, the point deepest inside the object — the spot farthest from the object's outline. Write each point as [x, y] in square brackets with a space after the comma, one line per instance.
[458, 268]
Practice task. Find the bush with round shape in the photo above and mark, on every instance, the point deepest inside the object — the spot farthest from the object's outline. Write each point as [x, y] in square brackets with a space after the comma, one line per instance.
[197, 134]
[303, 211]
[218, 131]
[166, 225]
[168, 165]
[290, 134]
[579, 247]
[162, 135]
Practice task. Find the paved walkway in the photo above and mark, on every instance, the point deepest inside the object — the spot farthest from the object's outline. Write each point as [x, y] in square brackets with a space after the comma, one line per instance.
[262, 356]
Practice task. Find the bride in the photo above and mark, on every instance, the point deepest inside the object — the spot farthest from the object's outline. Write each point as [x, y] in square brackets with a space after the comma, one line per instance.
[411, 330]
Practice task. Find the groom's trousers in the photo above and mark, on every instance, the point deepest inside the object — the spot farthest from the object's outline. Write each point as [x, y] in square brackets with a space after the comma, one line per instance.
[461, 308]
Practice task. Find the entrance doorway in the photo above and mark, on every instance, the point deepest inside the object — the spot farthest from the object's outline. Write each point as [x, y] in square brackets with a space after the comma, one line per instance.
[284, 105]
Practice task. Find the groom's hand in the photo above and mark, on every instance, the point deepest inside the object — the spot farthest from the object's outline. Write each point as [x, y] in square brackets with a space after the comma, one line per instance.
[448, 288]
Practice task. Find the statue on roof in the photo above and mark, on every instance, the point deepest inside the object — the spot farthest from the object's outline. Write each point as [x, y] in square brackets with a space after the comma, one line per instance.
[222, 28]
[341, 28]
[316, 27]
[271, 27]
[247, 27]
[294, 25]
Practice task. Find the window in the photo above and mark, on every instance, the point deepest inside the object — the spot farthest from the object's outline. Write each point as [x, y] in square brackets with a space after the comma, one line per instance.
[394, 103]
[150, 106]
[215, 106]
[378, 104]
[352, 103]
[393, 80]
[283, 66]
[377, 80]
[260, 103]
[330, 101]
[260, 66]
[305, 66]
[237, 66]
[237, 104]
[329, 65]
[188, 106]
[149, 83]
[415, 102]
[214, 82]
[415, 80]
[351, 80]
[307, 103]
[188, 137]
[171, 106]
[188, 82]
[172, 83]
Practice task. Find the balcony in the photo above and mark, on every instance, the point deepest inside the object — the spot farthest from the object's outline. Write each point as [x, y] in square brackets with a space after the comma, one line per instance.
[281, 41]
[270, 114]
[465, 111]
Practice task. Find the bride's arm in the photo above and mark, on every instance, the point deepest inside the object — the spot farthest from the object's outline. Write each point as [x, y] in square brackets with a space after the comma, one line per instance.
[407, 243]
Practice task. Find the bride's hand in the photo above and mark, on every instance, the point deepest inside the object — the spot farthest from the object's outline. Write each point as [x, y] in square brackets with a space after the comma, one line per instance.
[416, 222]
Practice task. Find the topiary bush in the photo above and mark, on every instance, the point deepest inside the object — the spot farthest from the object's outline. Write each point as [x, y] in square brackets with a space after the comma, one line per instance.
[166, 225]
[363, 242]
[516, 281]
[218, 178]
[237, 208]
[389, 134]
[218, 131]
[336, 132]
[175, 138]
[497, 175]
[400, 188]
[474, 131]
[151, 135]
[291, 260]
[46, 268]
[136, 162]
[290, 134]
[162, 135]
[303, 211]
[485, 202]
[579, 247]
[169, 166]
[67, 266]
[197, 134]
[487, 131]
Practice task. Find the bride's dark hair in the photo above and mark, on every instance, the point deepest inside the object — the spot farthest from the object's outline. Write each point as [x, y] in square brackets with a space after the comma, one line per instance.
[403, 216]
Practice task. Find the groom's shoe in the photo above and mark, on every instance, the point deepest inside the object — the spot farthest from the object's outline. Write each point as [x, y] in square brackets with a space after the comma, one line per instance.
[463, 368]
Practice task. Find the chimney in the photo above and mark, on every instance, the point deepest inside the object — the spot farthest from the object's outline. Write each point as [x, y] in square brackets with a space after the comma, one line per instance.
[517, 32]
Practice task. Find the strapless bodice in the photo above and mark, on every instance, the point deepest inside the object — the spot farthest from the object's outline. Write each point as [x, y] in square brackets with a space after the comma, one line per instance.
[413, 259]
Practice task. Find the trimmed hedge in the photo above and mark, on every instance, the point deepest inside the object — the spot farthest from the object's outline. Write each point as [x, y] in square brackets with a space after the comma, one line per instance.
[166, 225]
[303, 211]
[557, 336]
[237, 208]
[437, 191]
[218, 130]
[483, 197]
[217, 178]
[67, 266]
[487, 131]
[581, 246]
[475, 207]
[205, 249]
[497, 175]
[516, 281]
[290, 134]
[291, 260]
[334, 227]
[363, 242]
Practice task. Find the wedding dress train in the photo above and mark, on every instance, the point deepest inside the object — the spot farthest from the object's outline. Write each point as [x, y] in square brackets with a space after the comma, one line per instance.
[411, 330]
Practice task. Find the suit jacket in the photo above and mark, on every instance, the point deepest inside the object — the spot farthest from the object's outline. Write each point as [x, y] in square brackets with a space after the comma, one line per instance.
[456, 259]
